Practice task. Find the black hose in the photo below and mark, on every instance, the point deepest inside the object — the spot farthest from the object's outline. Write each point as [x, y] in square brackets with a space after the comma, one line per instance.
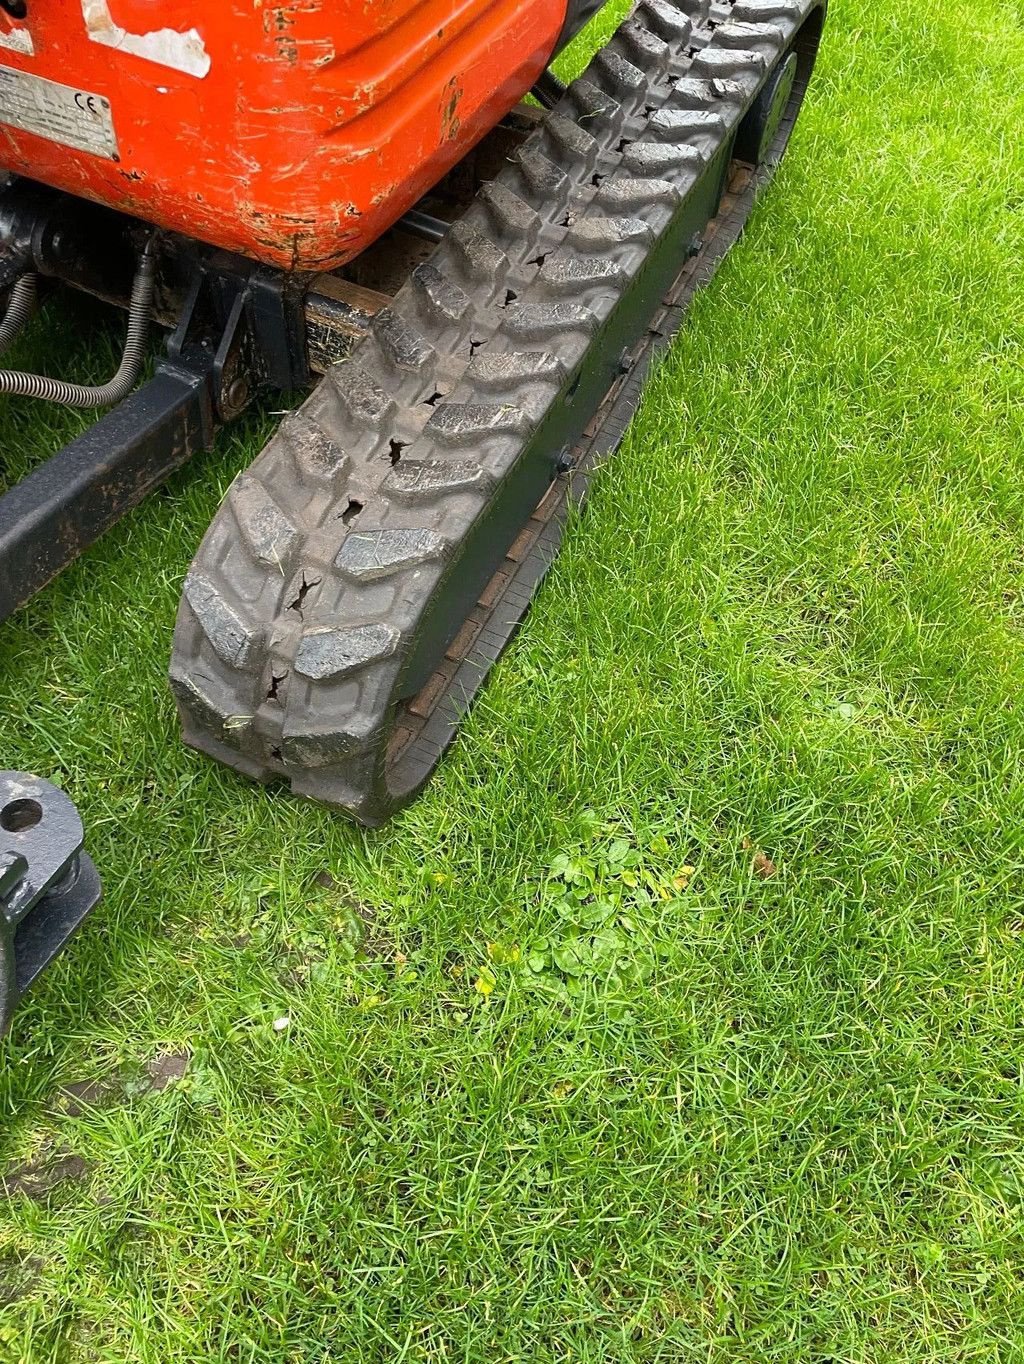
[423, 225]
[21, 385]
[548, 90]
[21, 306]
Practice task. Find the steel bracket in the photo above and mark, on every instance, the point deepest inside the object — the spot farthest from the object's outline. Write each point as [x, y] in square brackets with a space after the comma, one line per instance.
[48, 884]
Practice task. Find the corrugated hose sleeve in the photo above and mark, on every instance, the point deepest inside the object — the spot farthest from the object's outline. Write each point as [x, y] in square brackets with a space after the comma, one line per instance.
[17, 384]
[20, 308]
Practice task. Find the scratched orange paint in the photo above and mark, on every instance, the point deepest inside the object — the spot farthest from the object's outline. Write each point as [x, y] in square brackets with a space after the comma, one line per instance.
[316, 124]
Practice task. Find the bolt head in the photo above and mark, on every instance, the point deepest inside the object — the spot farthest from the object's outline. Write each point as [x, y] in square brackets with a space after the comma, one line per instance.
[238, 392]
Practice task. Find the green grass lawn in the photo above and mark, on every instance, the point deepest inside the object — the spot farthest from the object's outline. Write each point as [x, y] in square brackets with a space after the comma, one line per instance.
[569, 1075]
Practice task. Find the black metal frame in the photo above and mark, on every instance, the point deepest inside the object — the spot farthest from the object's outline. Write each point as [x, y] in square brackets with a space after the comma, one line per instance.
[239, 327]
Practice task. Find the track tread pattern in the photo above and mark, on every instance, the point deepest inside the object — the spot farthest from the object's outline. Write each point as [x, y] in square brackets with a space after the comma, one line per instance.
[293, 633]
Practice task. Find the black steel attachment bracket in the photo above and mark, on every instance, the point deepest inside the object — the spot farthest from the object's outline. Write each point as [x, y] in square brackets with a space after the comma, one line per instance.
[237, 328]
[258, 319]
[47, 883]
[66, 504]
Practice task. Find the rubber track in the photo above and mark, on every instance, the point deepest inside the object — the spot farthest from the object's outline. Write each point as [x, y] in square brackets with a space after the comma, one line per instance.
[304, 613]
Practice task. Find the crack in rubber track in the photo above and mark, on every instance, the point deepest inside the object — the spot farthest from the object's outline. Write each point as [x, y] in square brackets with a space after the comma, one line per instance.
[364, 574]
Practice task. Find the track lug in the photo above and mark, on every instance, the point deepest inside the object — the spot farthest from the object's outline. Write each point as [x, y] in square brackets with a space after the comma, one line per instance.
[720, 62]
[425, 480]
[666, 20]
[271, 537]
[627, 192]
[400, 343]
[507, 371]
[686, 125]
[362, 397]
[591, 101]
[763, 11]
[512, 214]
[765, 38]
[442, 296]
[719, 96]
[620, 77]
[461, 424]
[541, 174]
[542, 322]
[656, 158]
[236, 641]
[318, 459]
[482, 260]
[598, 231]
[324, 653]
[372, 554]
[646, 48]
[571, 274]
[572, 140]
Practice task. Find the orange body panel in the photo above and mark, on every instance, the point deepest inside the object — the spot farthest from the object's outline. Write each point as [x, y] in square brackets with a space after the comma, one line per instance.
[294, 132]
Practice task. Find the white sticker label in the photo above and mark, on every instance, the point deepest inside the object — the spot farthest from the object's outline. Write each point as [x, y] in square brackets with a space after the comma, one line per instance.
[18, 40]
[60, 113]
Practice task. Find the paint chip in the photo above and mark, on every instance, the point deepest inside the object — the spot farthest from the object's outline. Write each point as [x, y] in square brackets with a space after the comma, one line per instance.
[180, 51]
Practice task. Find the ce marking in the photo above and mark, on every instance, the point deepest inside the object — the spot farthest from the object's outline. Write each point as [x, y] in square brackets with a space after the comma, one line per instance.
[89, 104]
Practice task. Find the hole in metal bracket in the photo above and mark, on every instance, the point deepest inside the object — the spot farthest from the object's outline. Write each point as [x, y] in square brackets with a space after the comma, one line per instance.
[20, 815]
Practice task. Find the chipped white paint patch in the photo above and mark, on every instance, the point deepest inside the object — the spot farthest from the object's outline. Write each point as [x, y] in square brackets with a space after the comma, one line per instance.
[18, 40]
[180, 51]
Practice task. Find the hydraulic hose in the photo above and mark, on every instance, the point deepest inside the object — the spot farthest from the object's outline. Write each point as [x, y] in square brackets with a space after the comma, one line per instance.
[20, 308]
[548, 90]
[21, 385]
